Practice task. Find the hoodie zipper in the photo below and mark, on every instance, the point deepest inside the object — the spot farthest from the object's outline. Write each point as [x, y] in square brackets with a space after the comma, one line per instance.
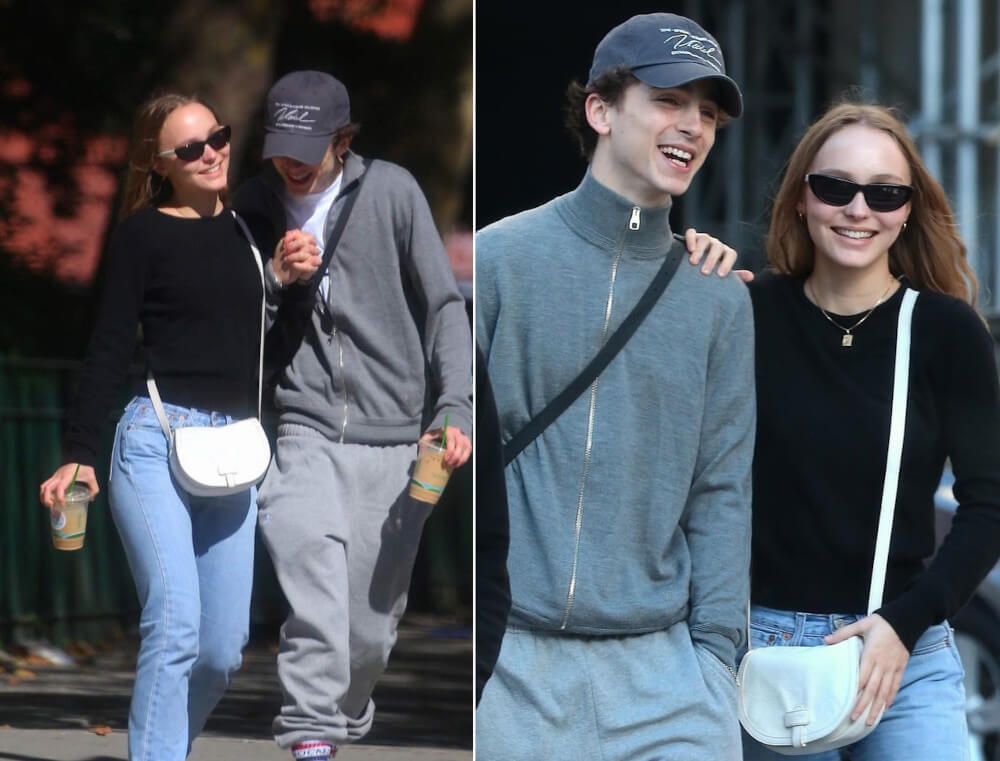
[633, 224]
[334, 333]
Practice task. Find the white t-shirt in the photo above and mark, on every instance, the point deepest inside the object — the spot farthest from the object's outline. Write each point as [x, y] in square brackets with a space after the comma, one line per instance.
[308, 213]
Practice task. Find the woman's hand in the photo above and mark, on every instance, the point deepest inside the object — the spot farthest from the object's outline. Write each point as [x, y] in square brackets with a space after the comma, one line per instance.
[296, 257]
[456, 450]
[713, 254]
[883, 661]
[52, 492]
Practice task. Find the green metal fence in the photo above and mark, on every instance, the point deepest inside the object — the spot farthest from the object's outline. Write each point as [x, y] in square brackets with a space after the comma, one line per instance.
[44, 591]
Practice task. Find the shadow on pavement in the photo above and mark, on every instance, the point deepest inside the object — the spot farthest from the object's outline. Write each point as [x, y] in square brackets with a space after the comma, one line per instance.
[424, 698]
[19, 757]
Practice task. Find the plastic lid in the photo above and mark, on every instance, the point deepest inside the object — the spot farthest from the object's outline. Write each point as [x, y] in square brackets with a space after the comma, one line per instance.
[78, 493]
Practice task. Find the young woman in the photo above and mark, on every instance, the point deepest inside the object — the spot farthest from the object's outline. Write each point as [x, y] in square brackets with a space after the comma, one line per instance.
[180, 268]
[856, 221]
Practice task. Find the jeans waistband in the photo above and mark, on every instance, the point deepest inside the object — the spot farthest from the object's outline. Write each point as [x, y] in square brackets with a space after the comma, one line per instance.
[140, 411]
[792, 620]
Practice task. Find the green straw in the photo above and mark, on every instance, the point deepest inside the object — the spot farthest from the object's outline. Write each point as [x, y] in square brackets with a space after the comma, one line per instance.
[75, 474]
[444, 431]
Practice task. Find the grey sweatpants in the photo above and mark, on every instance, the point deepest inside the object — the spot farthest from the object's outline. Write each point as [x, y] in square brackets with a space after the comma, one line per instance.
[342, 533]
[645, 697]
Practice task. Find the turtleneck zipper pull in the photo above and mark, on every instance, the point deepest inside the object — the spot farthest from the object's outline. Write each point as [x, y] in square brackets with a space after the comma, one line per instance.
[633, 223]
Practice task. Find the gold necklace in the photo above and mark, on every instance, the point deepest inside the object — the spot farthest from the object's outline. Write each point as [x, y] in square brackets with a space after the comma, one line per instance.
[847, 340]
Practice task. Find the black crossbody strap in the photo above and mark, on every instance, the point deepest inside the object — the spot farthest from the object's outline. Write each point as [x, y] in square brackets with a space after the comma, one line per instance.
[288, 331]
[602, 359]
[338, 228]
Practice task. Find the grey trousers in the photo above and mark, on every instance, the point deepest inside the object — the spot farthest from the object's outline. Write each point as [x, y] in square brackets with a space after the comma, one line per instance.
[644, 697]
[342, 533]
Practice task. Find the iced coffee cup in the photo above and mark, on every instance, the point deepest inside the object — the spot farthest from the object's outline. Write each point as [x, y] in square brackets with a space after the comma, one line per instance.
[69, 522]
[430, 474]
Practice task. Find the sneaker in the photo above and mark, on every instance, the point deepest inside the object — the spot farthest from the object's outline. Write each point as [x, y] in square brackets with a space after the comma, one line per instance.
[314, 750]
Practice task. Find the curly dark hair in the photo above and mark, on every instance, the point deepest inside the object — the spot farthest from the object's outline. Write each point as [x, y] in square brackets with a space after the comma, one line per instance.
[610, 87]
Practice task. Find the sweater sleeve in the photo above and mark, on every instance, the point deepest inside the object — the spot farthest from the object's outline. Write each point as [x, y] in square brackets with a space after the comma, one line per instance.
[492, 532]
[111, 347]
[487, 301]
[446, 335]
[969, 399]
[716, 519]
[251, 203]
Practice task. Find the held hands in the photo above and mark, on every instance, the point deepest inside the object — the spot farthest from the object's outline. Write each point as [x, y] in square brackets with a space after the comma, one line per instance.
[296, 257]
[883, 660]
[714, 252]
[52, 492]
[457, 449]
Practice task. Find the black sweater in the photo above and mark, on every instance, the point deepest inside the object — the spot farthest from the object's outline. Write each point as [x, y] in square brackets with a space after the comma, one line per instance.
[822, 439]
[492, 531]
[193, 286]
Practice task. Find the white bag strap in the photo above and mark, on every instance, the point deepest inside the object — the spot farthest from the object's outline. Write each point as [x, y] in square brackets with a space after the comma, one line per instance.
[154, 394]
[897, 426]
[263, 299]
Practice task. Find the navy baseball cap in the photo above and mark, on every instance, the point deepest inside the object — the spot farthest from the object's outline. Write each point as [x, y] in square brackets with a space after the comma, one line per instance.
[667, 50]
[304, 111]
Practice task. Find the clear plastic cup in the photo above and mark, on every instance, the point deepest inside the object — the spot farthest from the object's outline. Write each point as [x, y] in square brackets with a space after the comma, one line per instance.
[430, 474]
[69, 522]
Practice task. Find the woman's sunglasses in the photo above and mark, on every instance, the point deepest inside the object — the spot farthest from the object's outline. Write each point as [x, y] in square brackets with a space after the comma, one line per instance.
[837, 191]
[193, 151]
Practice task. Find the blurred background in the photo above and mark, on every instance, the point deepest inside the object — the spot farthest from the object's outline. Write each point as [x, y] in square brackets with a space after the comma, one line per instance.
[936, 60]
[71, 76]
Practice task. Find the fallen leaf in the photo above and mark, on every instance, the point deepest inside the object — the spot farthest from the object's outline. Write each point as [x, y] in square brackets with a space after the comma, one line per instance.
[82, 649]
[4, 726]
[24, 673]
[13, 681]
[101, 730]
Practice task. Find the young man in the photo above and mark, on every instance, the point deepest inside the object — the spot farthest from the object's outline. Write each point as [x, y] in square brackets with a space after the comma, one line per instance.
[630, 513]
[383, 354]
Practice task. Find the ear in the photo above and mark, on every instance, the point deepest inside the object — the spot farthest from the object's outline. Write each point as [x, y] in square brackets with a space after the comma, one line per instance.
[342, 145]
[598, 112]
[159, 166]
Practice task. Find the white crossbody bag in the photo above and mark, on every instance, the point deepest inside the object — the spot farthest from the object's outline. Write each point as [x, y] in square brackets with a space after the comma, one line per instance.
[798, 700]
[212, 461]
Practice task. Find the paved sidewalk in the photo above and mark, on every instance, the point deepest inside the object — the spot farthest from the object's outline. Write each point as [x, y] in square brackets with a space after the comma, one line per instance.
[74, 745]
[423, 706]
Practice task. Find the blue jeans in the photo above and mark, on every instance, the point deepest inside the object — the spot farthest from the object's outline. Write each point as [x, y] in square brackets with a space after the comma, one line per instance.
[192, 562]
[926, 721]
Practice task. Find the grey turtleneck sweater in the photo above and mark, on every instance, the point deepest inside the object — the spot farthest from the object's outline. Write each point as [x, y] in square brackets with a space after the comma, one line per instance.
[632, 510]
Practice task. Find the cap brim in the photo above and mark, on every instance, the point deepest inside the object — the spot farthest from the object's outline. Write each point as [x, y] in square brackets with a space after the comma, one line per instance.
[309, 149]
[675, 74]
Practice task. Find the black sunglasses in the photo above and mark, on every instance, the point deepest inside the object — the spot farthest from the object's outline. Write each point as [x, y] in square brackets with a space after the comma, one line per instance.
[880, 196]
[193, 151]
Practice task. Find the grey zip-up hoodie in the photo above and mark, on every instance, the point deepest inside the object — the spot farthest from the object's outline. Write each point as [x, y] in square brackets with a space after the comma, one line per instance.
[631, 511]
[390, 353]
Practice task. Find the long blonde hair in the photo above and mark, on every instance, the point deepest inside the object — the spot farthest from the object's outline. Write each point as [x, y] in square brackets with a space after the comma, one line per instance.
[929, 251]
[143, 186]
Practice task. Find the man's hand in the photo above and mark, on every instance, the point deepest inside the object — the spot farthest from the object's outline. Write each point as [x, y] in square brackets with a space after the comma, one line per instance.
[457, 448]
[714, 252]
[52, 492]
[882, 663]
[296, 257]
